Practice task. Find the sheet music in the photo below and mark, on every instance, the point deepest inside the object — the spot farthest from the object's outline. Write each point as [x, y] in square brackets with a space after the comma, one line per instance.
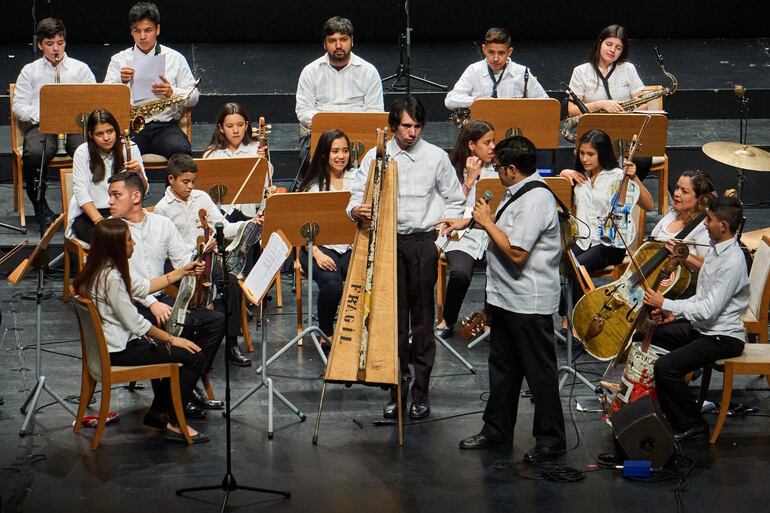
[269, 263]
[147, 71]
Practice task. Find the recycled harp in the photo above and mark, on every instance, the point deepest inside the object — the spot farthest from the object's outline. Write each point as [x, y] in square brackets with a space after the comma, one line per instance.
[365, 345]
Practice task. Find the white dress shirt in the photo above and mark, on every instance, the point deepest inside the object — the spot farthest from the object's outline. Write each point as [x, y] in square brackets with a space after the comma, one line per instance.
[428, 189]
[33, 76]
[475, 82]
[84, 190]
[177, 73]
[324, 88]
[121, 321]
[532, 224]
[184, 215]
[721, 296]
[348, 179]
[592, 203]
[624, 83]
[473, 242]
[155, 240]
[699, 234]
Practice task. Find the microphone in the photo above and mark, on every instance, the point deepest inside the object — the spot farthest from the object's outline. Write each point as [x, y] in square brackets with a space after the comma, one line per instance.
[658, 55]
[486, 197]
[220, 237]
[577, 101]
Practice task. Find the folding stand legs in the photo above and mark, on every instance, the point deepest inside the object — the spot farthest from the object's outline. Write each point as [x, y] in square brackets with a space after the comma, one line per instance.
[454, 353]
[569, 369]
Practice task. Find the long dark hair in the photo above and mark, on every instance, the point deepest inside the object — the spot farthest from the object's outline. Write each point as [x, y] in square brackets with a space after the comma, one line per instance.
[318, 171]
[102, 116]
[610, 31]
[703, 188]
[601, 142]
[108, 246]
[471, 132]
[218, 139]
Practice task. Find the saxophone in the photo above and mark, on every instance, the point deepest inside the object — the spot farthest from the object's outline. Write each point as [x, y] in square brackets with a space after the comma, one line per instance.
[569, 125]
[139, 113]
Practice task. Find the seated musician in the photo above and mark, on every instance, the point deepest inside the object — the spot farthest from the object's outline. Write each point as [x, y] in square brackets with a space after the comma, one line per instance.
[522, 294]
[472, 159]
[708, 326]
[161, 134]
[427, 191]
[497, 76]
[101, 156]
[181, 204]
[131, 339]
[691, 196]
[330, 170]
[233, 138]
[608, 79]
[51, 40]
[596, 180]
[156, 240]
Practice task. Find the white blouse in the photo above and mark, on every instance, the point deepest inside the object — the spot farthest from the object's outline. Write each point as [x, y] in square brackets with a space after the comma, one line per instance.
[624, 83]
[699, 234]
[121, 321]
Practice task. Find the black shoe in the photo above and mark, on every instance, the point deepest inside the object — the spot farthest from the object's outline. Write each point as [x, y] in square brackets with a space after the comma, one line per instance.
[193, 411]
[390, 411]
[200, 399]
[155, 419]
[173, 436]
[477, 442]
[444, 332]
[237, 358]
[419, 410]
[543, 452]
[699, 431]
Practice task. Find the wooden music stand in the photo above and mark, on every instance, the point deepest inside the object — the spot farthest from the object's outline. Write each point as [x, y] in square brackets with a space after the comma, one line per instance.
[537, 118]
[294, 214]
[223, 178]
[625, 126]
[560, 187]
[360, 127]
[64, 108]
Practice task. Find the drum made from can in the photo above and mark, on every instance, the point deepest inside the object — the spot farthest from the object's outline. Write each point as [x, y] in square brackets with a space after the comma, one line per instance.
[638, 378]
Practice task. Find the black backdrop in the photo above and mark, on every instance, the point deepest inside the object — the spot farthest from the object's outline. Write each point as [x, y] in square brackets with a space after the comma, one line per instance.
[191, 21]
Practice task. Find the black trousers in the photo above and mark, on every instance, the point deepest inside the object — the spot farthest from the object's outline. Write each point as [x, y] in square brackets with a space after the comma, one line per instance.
[417, 269]
[234, 298]
[142, 352]
[203, 326]
[690, 350]
[460, 276]
[330, 285]
[83, 227]
[164, 138]
[522, 346]
[593, 259]
[32, 154]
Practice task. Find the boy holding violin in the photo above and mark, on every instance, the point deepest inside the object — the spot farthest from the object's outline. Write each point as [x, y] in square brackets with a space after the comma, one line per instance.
[182, 203]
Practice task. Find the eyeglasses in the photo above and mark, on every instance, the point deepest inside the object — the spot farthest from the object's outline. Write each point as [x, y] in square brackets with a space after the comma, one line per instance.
[497, 167]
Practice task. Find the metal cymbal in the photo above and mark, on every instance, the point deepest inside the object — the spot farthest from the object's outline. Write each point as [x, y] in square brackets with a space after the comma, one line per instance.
[738, 155]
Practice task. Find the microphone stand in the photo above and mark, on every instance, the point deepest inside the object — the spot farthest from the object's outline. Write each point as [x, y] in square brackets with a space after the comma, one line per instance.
[228, 483]
[401, 78]
[743, 128]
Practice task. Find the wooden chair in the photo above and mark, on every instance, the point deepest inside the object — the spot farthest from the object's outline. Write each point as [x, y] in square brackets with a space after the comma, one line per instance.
[756, 357]
[73, 244]
[154, 161]
[659, 162]
[97, 369]
[17, 148]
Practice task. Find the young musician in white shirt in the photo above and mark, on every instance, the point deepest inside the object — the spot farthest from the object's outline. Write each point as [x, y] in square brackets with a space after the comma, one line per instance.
[54, 66]
[161, 134]
[157, 240]
[182, 203]
[101, 156]
[472, 158]
[709, 325]
[131, 339]
[497, 76]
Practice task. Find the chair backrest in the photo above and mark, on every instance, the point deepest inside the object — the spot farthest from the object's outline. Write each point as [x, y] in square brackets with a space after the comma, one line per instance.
[95, 355]
[759, 282]
[17, 134]
[185, 123]
[65, 176]
[657, 103]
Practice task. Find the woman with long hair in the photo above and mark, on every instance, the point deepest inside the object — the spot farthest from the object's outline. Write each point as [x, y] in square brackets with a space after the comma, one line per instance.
[330, 170]
[132, 339]
[101, 156]
[471, 157]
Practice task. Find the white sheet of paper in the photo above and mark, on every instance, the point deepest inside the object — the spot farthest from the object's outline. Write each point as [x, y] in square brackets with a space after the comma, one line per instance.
[146, 73]
[271, 260]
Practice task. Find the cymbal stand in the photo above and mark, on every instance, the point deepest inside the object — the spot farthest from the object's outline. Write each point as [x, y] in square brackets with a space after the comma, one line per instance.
[743, 128]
